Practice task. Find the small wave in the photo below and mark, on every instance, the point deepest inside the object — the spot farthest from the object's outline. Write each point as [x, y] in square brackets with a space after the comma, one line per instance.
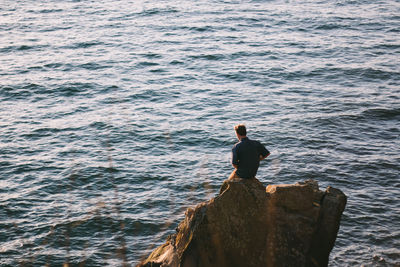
[52, 28]
[202, 29]
[68, 67]
[331, 26]
[211, 57]
[9, 49]
[157, 11]
[377, 74]
[176, 62]
[46, 67]
[152, 55]
[367, 116]
[35, 90]
[147, 64]
[45, 11]
[24, 47]
[394, 29]
[158, 70]
[53, 65]
[242, 54]
[20, 92]
[385, 47]
[152, 95]
[94, 66]
[86, 44]
[41, 132]
[235, 76]
[99, 125]
[71, 89]
[333, 74]
[382, 114]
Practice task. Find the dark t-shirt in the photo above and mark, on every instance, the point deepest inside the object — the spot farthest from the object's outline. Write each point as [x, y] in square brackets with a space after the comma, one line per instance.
[246, 155]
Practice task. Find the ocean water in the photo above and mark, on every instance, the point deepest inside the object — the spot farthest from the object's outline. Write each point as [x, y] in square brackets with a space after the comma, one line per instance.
[116, 116]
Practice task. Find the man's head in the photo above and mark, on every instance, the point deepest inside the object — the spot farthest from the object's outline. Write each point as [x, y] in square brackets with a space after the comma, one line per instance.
[240, 130]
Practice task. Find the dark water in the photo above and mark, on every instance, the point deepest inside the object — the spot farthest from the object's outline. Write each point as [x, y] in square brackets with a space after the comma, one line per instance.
[118, 115]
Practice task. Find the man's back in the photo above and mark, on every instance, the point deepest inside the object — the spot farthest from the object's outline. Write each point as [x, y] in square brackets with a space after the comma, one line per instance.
[246, 155]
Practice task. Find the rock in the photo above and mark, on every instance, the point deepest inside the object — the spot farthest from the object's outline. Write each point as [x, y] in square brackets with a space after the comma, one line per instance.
[250, 225]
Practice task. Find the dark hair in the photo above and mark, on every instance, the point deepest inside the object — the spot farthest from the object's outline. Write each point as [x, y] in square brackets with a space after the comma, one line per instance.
[241, 129]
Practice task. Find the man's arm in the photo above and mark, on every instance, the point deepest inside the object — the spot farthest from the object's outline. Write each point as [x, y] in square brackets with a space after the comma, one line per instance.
[264, 153]
[235, 160]
[264, 157]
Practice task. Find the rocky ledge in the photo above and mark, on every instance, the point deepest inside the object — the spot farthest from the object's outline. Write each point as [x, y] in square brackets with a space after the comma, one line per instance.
[247, 224]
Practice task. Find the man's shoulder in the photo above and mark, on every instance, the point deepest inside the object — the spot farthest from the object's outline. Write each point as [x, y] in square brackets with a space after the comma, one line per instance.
[235, 145]
[254, 141]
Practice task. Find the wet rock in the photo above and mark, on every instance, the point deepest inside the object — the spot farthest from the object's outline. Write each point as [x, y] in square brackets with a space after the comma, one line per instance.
[247, 224]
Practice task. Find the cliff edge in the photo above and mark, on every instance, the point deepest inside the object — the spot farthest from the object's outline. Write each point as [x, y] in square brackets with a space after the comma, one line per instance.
[247, 224]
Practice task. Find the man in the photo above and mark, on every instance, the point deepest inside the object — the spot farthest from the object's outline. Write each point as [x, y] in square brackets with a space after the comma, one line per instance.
[246, 155]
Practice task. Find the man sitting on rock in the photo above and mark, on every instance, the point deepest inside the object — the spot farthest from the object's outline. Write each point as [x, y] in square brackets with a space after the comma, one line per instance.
[246, 155]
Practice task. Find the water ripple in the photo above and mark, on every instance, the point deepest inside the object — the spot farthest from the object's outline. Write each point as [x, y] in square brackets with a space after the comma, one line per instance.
[117, 117]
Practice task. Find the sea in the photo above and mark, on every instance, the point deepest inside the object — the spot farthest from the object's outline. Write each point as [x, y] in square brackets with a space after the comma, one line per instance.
[117, 115]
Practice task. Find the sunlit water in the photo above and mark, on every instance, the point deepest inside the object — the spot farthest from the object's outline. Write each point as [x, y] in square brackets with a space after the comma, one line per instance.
[118, 115]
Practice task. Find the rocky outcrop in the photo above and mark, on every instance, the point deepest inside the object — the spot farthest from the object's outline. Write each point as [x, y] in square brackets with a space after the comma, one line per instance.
[247, 224]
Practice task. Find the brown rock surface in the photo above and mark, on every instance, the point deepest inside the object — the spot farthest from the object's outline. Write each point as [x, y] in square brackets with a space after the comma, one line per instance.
[250, 225]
